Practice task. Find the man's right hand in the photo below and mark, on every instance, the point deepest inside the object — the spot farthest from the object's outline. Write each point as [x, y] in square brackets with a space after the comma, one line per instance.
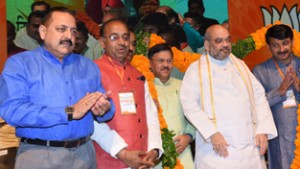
[286, 83]
[85, 104]
[219, 144]
[133, 158]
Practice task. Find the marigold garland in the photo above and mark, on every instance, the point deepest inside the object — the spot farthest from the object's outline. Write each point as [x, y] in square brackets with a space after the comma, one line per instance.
[182, 60]
[296, 162]
[142, 63]
[257, 40]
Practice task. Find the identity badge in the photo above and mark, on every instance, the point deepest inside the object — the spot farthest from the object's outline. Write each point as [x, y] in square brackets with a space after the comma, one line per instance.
[127, 103]
[290, 100]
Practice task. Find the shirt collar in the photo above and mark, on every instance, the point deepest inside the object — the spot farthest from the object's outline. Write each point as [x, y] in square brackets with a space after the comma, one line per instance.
[159, 82]
[52, 58]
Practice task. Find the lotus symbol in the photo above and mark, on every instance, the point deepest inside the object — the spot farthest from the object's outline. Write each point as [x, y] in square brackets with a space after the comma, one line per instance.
[290, 17]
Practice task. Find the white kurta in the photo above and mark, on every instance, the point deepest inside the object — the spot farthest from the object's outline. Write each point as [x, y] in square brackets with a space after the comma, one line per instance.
[233, 114]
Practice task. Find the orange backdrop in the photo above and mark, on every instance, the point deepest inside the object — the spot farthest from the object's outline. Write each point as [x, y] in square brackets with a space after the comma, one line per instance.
[246, 17]
[3, 53]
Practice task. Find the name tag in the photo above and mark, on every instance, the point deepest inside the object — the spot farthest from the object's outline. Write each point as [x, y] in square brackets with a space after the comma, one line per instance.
[127, 103]
[3, 152]
[290, 100]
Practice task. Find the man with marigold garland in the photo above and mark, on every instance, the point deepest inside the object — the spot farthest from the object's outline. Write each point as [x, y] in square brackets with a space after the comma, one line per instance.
[132, 138]
[167, 87]
[227, 106]
[280, 77]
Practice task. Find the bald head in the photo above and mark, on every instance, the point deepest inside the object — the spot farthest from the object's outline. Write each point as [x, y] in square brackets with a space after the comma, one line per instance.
[217, 42]
[212, 30]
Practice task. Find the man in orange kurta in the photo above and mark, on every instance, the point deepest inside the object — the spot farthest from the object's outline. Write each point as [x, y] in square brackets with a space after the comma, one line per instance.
[138, 142]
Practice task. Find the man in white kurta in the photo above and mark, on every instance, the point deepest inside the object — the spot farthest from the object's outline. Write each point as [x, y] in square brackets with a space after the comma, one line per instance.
[227, 105]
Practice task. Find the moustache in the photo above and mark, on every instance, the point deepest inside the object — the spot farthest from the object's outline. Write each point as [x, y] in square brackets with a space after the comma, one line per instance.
[66, 41]
[284, 52]
[165, 68]
[225, 48]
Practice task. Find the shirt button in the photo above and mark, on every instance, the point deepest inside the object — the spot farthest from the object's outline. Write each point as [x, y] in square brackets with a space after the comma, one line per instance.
[70, 98]
[141, 136]
[139, 120]
[67, 82]
[129, 79]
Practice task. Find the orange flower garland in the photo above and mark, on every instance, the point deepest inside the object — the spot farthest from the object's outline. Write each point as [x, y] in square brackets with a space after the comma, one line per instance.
[183, 59]
[143, 65]
[296, 162]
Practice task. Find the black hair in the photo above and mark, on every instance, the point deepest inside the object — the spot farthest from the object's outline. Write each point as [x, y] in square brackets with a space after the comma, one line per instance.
[82, 28]
[159, 20]
[195, 17]
[37, 14]
[177, 32]
[158, 48]
[38, 3]
[199, 2]
[279, 32]
[57, 9]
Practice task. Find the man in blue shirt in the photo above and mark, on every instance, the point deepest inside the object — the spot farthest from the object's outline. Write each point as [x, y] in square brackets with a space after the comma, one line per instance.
[52, 97]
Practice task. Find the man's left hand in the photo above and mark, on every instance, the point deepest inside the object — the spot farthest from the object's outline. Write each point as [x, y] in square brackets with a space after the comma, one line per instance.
[151, 156]
[182, 141]
[261, 140]
[102, 105]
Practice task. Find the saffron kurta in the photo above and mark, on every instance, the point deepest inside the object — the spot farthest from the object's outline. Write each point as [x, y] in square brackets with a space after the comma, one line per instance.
[168, 97]
[281, 149]
[233, 112]
[139, 131]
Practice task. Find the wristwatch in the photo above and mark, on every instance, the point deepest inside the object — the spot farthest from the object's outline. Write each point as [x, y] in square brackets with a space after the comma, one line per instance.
[69, 111]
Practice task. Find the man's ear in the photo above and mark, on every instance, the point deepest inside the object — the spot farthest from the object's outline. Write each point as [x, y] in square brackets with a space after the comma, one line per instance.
[101, 41]
[42, 31]
[206, 45]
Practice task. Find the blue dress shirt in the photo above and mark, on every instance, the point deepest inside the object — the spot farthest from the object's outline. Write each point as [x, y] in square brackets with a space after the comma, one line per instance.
[36, 88]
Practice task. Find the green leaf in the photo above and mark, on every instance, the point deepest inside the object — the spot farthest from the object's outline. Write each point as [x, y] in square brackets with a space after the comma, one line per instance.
[243, 47]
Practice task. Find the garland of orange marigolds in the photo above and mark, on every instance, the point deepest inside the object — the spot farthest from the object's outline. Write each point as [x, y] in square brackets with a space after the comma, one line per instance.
[182, 60]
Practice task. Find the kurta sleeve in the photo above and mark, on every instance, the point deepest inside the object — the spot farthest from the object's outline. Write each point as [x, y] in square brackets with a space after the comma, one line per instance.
[265, 123]
[154, 136]
[109, 140]
[190, 100]
[273, 96]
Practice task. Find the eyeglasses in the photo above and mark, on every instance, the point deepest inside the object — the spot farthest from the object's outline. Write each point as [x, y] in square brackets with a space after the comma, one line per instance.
[116, 37]
[161, 61]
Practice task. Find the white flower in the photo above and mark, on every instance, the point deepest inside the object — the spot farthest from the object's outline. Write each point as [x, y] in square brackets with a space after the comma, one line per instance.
[289, 17]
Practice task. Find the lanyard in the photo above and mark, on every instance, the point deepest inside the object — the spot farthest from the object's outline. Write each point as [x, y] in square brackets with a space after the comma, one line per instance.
[120, 73]
[279, 70]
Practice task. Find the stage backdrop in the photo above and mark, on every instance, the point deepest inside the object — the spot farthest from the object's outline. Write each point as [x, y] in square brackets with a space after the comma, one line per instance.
[247, 16]
[18, 10]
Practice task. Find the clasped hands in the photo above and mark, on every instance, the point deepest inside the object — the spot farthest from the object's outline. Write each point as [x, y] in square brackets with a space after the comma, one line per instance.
[97, 102]
[220, 144]
[290, 78]
[137, 159]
